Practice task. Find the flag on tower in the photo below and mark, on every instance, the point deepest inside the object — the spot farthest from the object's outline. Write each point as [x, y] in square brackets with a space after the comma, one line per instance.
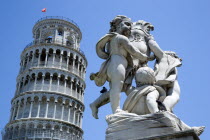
[44, 9]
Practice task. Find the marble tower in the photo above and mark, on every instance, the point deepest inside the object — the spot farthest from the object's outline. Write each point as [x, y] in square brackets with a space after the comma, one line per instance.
[49, 100]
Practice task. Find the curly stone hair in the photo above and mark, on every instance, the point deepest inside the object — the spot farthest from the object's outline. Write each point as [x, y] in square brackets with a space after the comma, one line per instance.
[117, 20]
[145, 75]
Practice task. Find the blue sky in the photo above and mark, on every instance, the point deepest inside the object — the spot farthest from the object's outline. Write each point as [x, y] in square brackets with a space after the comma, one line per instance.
[180, 25]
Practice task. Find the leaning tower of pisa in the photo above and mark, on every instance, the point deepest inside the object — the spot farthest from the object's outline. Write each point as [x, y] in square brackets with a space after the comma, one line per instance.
[48, 102]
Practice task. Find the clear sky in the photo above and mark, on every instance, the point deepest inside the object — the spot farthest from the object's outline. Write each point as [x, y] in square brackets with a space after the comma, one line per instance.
[180, 25]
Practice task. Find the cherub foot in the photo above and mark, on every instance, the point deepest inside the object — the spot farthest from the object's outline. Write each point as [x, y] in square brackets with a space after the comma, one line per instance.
[198, 130]
[94, 110]
[92, 76]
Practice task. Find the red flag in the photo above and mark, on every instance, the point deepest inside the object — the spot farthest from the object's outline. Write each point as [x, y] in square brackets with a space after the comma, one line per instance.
[44, 9]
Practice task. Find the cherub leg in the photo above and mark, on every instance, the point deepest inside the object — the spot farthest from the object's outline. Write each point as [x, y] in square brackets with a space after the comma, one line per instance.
[100, 101]
[104, 99]
[172, 97]
[115, 90]
[151, 101]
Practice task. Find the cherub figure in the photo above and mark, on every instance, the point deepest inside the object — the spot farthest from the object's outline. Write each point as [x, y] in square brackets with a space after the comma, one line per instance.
[118, 50]
[166, 73]
[139, 32]
[143, 99]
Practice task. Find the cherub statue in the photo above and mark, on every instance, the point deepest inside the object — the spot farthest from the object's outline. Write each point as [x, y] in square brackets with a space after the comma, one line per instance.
[127, 49]
[143, 99]
[118, 50]
[137, 55]
[166, 73]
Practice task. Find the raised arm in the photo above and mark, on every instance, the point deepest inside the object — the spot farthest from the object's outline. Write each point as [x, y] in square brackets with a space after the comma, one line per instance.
[131, 49]
[155, 47]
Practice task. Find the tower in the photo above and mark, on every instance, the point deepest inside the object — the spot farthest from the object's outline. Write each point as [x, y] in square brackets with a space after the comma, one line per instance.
[48, 102]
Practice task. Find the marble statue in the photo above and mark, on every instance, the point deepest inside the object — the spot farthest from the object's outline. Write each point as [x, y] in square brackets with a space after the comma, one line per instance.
[127, 48]
[137, 38]
[143, 99]
[116, 48]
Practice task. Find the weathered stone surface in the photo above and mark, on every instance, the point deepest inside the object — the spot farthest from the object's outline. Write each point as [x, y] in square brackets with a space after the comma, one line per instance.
[182, 135]
[124, 126]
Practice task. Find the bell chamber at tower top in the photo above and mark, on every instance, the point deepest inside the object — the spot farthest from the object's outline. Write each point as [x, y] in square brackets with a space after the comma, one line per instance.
[57, 30]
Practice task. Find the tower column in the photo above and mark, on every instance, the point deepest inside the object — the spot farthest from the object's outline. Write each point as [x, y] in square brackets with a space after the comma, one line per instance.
[62, 111]
[69, 113]
[29, 82]
[38, 111]
[51, 76]
[58, 83]
[78, 66]
[70, 93]
[11, 113]
[14, 110]
[67, 61]
[18, 89]
[24, 106]
[43, 77]
[35, 82]
[17, 110]
[74, 113]
[76, 90]
[73, 62]
[32, 60]
[61, 59]
[30, 110]
[65, 85]
[53, 62]
[64, 36]
[83, 94]
[39, 59]
[78, 118]
[24, 63]
[46, 58]
[28, 60]
[81, 120]
[55, 106]
[47, 106]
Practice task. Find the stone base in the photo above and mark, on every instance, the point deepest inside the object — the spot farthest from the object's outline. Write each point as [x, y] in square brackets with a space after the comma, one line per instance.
[182, 135]
[158, 126]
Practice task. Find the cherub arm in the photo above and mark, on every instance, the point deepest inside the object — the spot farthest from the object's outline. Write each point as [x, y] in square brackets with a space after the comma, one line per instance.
[131, 49]
[170, 79]
[154, 47]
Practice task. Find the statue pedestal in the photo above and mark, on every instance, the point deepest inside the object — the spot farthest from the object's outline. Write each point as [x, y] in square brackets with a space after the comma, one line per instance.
[182, 135]
[164, 125]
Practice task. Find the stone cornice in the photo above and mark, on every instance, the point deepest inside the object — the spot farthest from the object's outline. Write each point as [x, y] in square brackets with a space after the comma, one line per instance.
[33, 120]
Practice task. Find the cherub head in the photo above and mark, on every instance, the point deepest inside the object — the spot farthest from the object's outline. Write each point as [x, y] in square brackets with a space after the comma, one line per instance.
[145, 76]
[121, 24]
[143, 25]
